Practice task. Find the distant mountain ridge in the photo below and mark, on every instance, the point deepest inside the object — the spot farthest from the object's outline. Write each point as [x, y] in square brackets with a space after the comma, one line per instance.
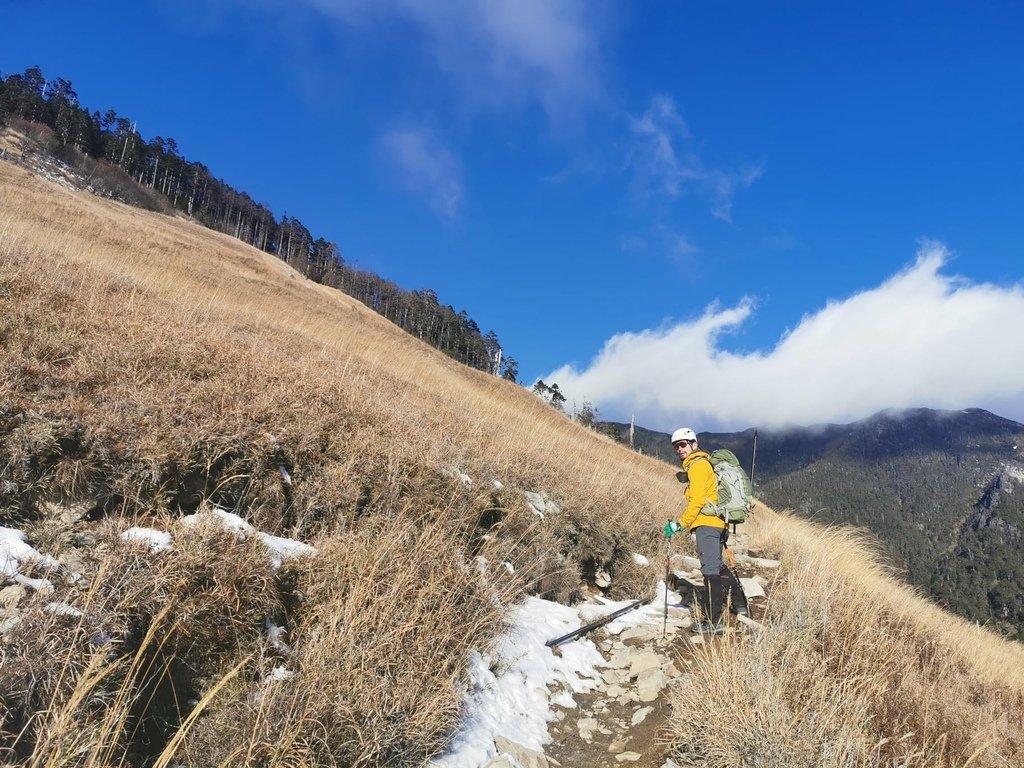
[943, 491]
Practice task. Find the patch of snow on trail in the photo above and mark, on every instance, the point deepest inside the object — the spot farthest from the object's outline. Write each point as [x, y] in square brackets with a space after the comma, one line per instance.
[509, 687]
[158, 541]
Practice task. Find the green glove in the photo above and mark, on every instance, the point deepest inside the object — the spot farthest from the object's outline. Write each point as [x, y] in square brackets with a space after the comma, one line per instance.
[672, 527]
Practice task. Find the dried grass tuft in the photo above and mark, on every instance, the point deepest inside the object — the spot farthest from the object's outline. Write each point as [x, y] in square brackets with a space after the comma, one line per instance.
[853, 669]
[388, 618]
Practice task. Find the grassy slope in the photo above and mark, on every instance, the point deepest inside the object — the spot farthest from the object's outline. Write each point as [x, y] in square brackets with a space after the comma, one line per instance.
[151, 367]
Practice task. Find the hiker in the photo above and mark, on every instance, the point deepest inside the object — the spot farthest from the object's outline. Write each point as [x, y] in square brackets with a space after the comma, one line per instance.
[709, 530]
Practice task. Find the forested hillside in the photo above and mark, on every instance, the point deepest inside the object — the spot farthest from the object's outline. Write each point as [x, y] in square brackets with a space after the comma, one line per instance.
[118, 162]
[943, 492]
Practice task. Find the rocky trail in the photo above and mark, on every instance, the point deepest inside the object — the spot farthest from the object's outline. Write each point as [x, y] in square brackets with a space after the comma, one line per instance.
[622, 722]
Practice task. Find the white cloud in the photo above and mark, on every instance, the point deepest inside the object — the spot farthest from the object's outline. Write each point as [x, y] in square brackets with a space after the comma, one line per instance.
[665, 161]
[426, 167]
[497, 54]
[920, 339]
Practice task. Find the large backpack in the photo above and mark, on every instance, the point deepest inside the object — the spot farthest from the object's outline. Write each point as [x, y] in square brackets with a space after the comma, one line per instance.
[734, 488]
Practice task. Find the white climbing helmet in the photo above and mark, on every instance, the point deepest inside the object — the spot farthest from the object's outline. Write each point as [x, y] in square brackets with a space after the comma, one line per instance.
[683, 433]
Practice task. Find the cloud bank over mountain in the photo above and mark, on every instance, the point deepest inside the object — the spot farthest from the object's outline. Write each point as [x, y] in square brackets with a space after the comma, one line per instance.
[921, 338]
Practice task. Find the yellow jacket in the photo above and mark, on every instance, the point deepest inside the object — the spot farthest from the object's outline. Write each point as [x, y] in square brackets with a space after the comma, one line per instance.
[702, 488]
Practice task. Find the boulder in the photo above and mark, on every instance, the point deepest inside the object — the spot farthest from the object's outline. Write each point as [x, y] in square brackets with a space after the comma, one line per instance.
[752, 588]
[645, 660]
[650, 683]
[524, 756]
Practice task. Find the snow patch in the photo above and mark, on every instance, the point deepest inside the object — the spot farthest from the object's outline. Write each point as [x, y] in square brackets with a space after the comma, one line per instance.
[157, 541]
[280, 675]
[640, 560]
[275, 636]
[14, 550]
[228, 520]
[282, 549]
[278, 547]
[651, 613]
[509, 687]
[63, 609]
[1014, 473]
[286, 477]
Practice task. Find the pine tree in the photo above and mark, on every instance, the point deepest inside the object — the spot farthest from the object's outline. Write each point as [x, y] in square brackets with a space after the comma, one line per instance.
[510, 369]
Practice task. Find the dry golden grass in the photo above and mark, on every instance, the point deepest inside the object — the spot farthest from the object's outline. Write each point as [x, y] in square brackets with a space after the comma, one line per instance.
[151, 366]
[109, 676]
[153, 322]
[852, 669]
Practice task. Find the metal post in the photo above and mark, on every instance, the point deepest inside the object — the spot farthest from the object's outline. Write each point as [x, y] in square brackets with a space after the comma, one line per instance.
[753, 458]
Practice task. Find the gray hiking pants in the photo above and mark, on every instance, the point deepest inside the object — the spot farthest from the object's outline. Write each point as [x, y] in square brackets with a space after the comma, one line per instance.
[709, 549]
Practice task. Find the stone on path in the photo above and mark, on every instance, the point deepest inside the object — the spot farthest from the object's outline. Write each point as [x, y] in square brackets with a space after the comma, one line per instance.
[586, 727]
[641, 632]
[650, 683]
[643, 661]
[523, 756]
[752, 588]
[641, 714]
[628, 757]
[615, 677]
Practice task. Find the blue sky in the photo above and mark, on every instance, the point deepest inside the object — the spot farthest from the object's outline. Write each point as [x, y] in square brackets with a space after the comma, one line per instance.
[730, 214]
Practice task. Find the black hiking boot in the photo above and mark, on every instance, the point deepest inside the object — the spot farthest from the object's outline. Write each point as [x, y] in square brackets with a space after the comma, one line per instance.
[707, 628]
[711, 603]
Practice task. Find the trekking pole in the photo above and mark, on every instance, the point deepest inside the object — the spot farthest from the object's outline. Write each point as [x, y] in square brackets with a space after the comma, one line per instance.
[599, 623]
[668, 571]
